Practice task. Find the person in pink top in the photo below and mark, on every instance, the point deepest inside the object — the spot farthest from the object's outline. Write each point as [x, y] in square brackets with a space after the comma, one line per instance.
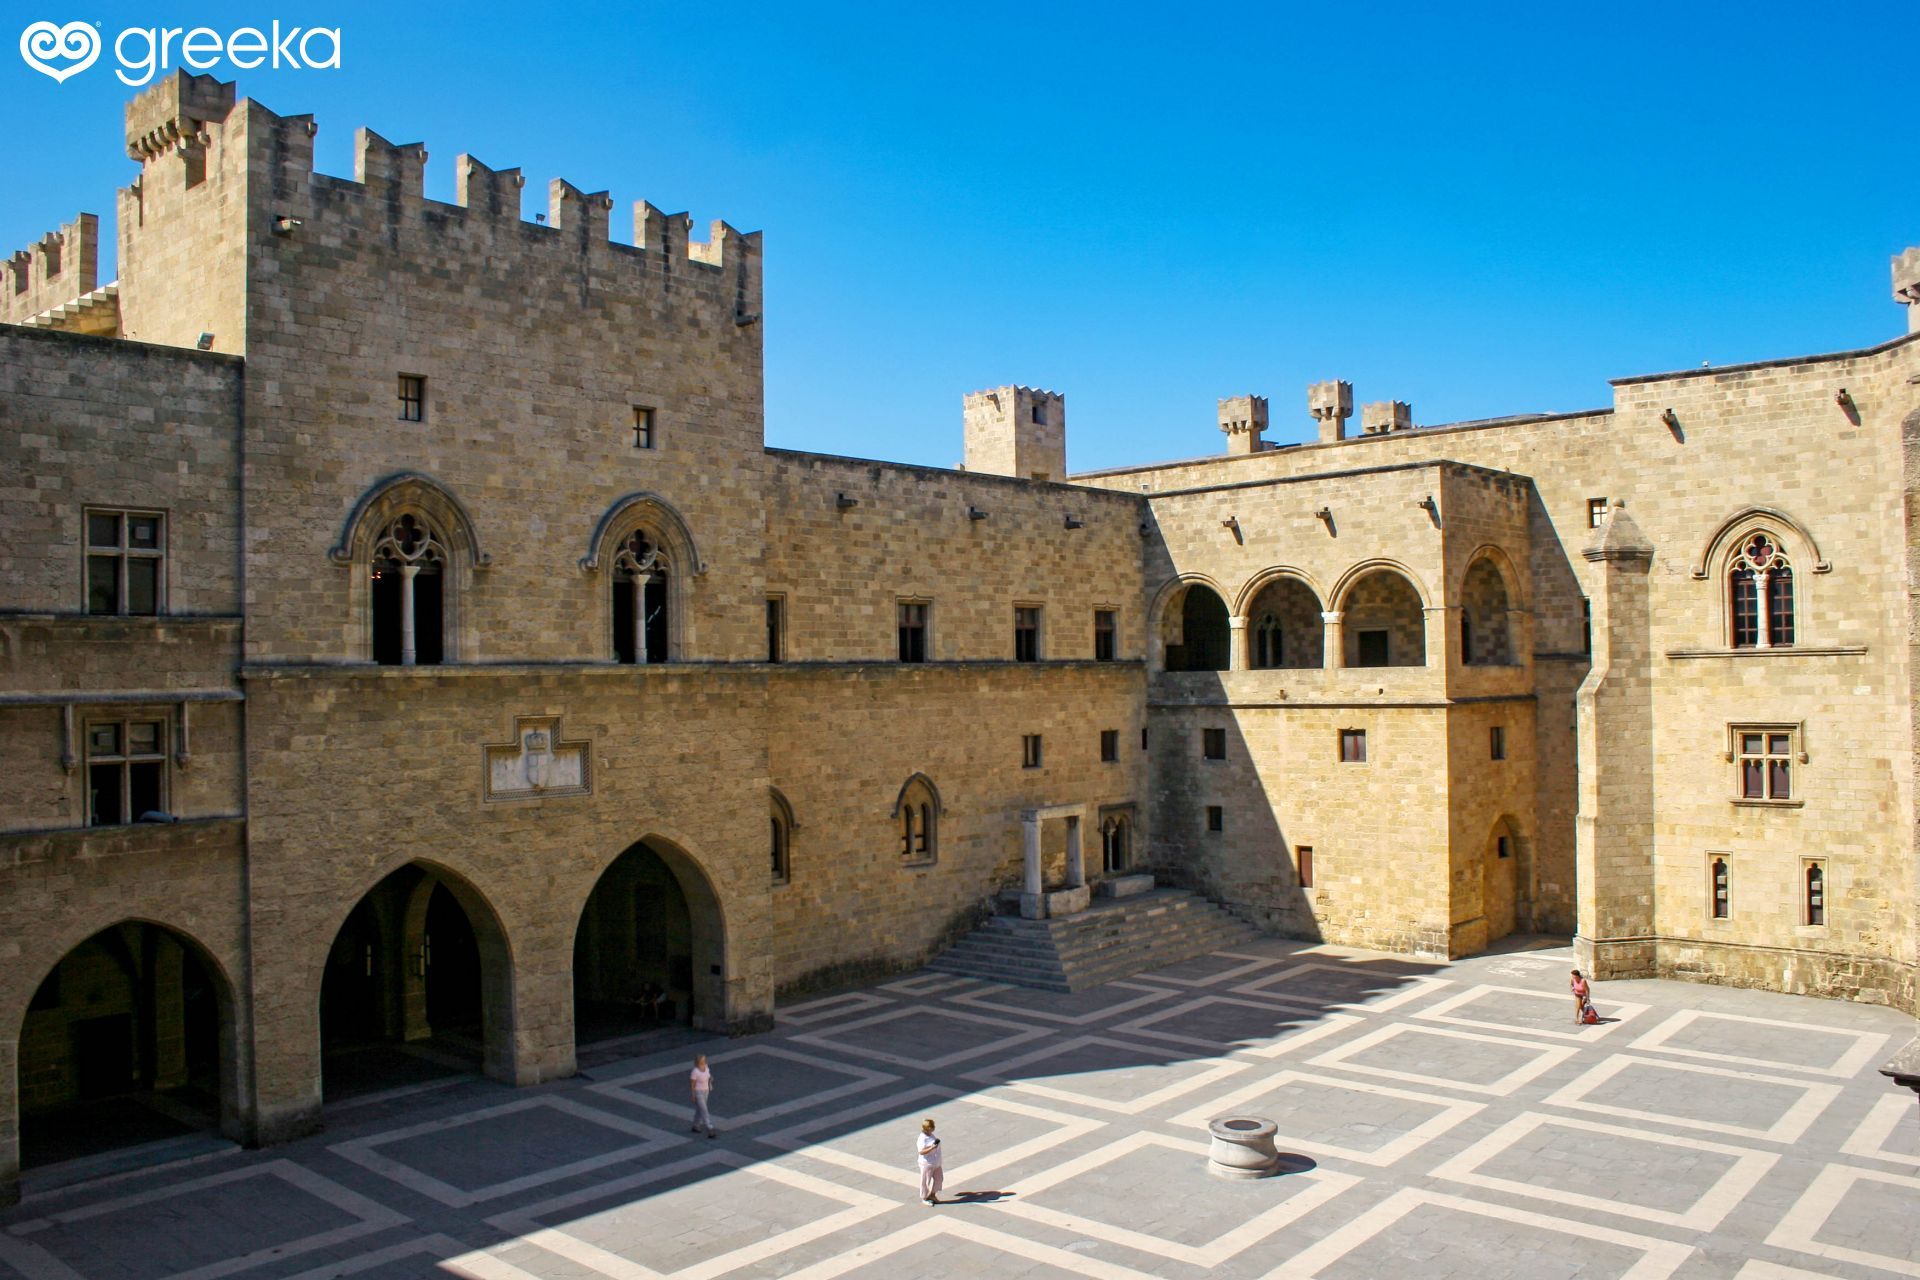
[702, 1083]
[1581, 994]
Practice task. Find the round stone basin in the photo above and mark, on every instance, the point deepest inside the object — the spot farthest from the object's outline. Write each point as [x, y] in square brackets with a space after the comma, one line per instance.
[1242, 1148]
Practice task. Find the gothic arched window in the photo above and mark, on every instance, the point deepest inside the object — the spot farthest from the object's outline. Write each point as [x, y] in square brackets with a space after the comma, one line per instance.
[408, 574]
[1113, 844]
[1760, 595]
[640, 620]
[917, 813]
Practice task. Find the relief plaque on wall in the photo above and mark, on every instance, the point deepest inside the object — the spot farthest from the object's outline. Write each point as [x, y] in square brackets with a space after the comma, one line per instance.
[536, 764]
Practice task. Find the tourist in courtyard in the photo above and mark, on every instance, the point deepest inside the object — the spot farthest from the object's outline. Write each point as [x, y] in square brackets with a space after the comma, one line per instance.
[1582, 994]
[931, 1175]
[701, 1081]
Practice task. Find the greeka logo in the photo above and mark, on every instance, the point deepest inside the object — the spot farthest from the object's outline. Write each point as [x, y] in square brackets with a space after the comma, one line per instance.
[144, 52]
[76, 42]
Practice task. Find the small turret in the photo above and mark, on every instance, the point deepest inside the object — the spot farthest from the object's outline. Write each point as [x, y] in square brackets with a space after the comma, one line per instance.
[1331, 404]
[1383, 416]
[1906, 286]
[1017, 431]
[1244, 418]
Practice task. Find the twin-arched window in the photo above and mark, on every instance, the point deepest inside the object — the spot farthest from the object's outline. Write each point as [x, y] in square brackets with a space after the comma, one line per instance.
[1760, 605]
[407, 579]
[917, 813]
[640, 600]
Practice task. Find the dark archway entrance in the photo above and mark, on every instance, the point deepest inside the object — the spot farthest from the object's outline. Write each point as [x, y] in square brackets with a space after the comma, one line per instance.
[647, 953]
[123, 1044]
[404, 995]
[1196, 633]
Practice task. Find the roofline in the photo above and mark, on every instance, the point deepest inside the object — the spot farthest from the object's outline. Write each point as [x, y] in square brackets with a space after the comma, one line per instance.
[948, 473]
[1715, 370]
[1311, 477]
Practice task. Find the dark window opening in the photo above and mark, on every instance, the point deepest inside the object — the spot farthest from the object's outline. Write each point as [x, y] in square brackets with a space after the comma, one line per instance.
[1375, 648]
[1026, 634]
[1303, 859]
[413, 398]
[913, 632]
[1109, 746]
[124, 553]
[1216, 818]
[642, 428]
[1816, 893]
[1030, 751]
[1722, 884]
[776, 629]
[1103, 635]
[1213, 744]
[1497, 742]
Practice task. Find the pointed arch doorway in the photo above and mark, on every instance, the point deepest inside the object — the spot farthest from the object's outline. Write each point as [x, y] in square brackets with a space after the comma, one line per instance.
[648, 950]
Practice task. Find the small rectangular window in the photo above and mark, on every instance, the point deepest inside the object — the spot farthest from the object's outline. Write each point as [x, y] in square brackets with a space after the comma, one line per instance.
[413, 398]
[776, 628]
[1503, 846]
[913, 630]
[1109, 746]
[1586, 626]
[1216, 818]
[1814, 903]
[1030, 751]
[1764, 757]
[1040, 415]
[1026, 633]
[1353, 746]
[643, 423]
[1143, 738]
[1303, 861]
[1596, 512]
[1104, 634]
[126, 562]
[1213, 744]
[1719, 887]
[1497, 742]
[126, 770]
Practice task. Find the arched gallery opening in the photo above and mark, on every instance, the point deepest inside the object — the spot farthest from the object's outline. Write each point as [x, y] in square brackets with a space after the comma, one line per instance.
[1284, 627]
[1485, 639]
[1384, 623]
[1194, 630]
[123, 1044]
[647, 954]
[411, 983]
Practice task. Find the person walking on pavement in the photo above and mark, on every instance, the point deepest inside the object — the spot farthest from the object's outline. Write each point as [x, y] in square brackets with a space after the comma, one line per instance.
[702, 1083]
[931, 1175]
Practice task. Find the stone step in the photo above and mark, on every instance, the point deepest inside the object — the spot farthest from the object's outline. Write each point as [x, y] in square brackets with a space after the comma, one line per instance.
[1117, 938]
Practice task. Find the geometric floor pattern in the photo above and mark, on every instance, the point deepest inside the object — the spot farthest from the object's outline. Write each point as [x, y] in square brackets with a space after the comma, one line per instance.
[1444, 1120]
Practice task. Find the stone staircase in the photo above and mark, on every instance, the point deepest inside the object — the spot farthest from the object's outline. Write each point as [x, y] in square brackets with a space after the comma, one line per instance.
[1114, 938]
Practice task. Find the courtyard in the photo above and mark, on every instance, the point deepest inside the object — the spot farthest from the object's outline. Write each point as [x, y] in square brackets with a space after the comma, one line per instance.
[1441, 1120]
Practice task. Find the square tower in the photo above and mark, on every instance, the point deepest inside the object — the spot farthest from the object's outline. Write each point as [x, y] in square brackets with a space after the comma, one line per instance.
[1244, 418]
[1017, 431]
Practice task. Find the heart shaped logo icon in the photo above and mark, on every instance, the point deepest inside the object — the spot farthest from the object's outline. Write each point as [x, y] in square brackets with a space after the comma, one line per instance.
[77, 44]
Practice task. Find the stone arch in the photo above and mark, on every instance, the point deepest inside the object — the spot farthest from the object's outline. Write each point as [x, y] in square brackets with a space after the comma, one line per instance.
[401, 905]
[916, 812]
[1736, 527]
[1382, 607]
[1175, 606]
[1284, 628]
[411, 493]
[780, 834]
[689, 966]
[1504, 880]
[662, 523]
[175, 1036]
[1487, 605]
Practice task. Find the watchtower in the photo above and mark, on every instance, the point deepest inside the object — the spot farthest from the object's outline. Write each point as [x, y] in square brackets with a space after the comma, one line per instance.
[1017, 431]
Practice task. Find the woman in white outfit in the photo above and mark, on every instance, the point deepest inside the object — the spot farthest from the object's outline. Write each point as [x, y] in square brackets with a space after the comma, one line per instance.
[930, 1172]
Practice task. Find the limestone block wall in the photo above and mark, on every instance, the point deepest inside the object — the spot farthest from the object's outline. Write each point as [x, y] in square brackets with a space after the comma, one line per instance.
[1773, 438]
[1486, 798]
[538, 344]
[844, 739]
[356, 773]
[909, 535]
[86, 421]
[1380, 843]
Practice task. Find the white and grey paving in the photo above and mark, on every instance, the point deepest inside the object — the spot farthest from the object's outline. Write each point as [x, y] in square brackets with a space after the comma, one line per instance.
[1440, 1120]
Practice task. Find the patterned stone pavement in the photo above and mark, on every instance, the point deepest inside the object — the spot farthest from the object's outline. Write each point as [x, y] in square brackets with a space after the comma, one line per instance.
[1446, 1121]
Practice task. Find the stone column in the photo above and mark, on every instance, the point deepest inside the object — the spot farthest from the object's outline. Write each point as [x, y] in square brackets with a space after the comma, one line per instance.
[1614, 827]
[1333, 652]
[1237, 657]
[1030, 832]
[1763, 607]
[408, 652]
[1076, 856]
[1437, 637]
[641, 581]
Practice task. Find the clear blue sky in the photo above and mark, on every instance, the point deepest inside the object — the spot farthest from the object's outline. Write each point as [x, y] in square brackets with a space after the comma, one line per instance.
[1482, 212]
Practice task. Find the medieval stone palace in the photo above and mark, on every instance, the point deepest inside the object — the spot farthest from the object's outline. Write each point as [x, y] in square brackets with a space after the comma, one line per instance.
[408, 642]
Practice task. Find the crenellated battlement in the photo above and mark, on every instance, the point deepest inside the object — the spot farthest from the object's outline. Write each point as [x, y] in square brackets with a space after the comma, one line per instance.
[209, 158]
[58, 268]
